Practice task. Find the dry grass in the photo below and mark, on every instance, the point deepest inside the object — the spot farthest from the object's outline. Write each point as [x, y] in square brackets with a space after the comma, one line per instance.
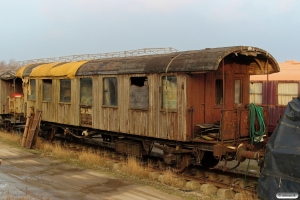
[88, 159]
[169, 178]
[39, 143]
[10, 137]
[61, 152]
[47, 147]
[134, 167]
[93, 159]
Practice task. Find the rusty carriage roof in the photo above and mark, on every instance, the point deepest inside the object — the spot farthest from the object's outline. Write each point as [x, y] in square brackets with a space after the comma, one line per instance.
[186, 61]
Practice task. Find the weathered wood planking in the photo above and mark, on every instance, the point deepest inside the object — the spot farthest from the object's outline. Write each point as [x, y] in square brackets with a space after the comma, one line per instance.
[6, 88]
[121, 118]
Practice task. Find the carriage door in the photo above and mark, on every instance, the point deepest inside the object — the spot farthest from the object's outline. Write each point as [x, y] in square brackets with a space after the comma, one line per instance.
[241, 97]
[86, 101]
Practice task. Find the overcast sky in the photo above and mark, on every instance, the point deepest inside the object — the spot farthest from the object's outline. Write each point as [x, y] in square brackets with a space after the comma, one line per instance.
[32, 29]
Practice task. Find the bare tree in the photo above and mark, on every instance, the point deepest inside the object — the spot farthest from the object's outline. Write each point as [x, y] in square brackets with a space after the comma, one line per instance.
[11, 65]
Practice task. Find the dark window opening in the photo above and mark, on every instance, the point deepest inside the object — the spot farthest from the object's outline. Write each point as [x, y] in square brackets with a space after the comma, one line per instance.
[65, 90]
[219, 91]
[139, 81]
[139, 93]
[47, 90]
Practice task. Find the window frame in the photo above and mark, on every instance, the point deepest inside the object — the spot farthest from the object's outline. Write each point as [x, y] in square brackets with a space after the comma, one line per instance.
[141, 88]
[29, 96]
[241, 91]
[162, 108]
[116, 91]
[43, 88]
[287, 82]
[91, 90]
[261, 94]
[60, 91]
[221, 91]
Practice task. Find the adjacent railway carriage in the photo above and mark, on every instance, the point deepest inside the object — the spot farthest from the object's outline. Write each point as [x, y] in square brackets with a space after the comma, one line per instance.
[276, 90]
[193, 105]
[11, 99]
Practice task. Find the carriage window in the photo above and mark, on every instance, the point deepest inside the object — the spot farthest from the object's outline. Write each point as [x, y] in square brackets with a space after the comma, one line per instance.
[65, 90]
[286, 92]
[110, 91]
[238, 91]
[47, 90]
[139, 93]
[169, 92]
[86, 92]
[256, 93]
[219, 91]
[31, 90]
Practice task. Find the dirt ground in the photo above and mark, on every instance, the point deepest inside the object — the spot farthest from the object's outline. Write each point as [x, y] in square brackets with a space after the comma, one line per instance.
[25, 175]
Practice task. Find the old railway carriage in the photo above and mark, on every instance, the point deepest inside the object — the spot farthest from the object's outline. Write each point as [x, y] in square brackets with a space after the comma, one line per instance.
[276, 90]
[11, 98]
[193, 105]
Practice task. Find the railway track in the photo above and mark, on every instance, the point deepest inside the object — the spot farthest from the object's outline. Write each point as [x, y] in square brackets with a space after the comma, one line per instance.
[209, 181]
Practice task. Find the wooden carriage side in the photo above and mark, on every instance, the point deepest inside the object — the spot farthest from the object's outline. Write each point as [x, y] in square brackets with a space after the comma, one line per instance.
[182, 92]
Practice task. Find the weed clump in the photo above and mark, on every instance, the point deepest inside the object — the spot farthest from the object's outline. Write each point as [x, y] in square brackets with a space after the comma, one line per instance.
[134, 167]
[11, 137]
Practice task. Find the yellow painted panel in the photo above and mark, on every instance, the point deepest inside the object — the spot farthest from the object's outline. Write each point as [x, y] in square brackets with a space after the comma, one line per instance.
[67, 69]
[43, 70]
[62, 70]
[20, 71]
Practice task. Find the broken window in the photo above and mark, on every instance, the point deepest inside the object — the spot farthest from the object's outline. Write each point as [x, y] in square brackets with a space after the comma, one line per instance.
[47, 90]
[238, 91]
[65, 90]
[139, 93]
[219, 91]
[287, 92]
[256, 93]
[31, 90]
[110, 91]
[86, 91]
[169, 92]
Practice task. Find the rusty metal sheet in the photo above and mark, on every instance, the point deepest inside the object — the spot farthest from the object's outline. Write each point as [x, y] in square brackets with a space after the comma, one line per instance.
[28, 69]
[275, 113]
[229, 125]
[191, 61]
[269, 98]
[244, 123]
[7, 75]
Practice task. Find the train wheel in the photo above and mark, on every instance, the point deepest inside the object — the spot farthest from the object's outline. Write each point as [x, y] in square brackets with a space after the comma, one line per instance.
[183, 161]
[208, 160]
